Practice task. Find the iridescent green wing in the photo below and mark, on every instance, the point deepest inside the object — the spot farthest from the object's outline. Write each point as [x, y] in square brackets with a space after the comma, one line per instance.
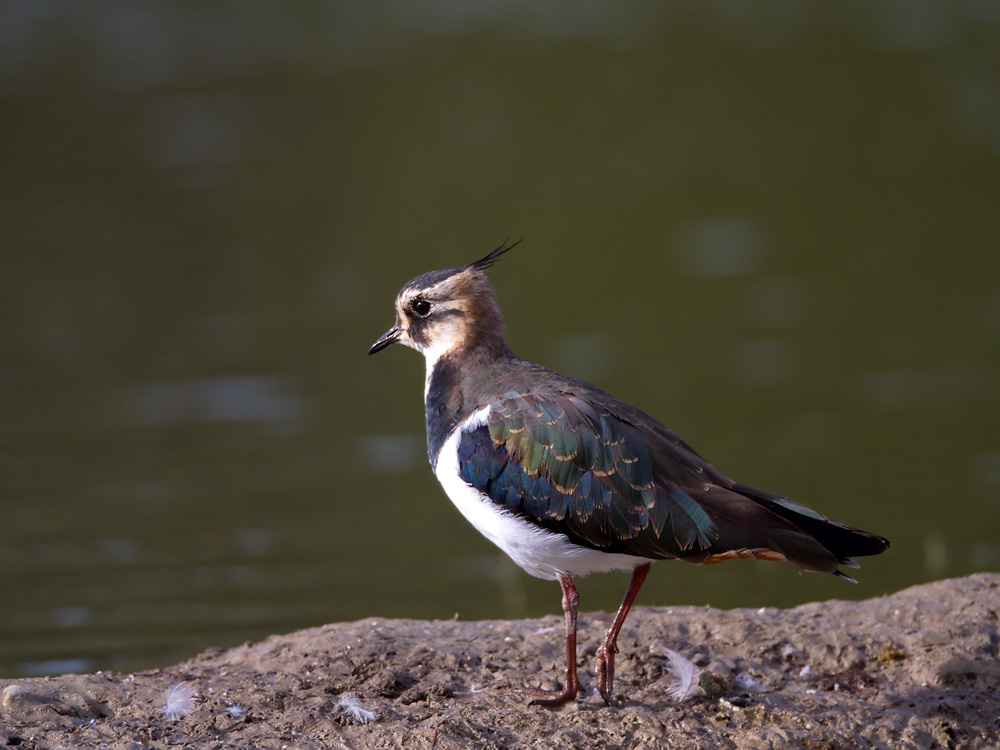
[578, 469]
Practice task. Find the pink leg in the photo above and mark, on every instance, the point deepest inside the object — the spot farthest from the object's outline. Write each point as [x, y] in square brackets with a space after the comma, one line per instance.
[605, 663]
[571, 605]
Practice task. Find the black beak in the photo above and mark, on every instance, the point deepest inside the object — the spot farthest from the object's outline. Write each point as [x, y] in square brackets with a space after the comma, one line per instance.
[387, 338]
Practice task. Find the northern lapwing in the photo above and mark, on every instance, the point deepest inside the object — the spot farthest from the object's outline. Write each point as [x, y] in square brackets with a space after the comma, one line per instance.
[568, 480]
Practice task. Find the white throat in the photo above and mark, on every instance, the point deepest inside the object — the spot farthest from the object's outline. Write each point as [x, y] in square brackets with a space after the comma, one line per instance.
[445, 341]
[431, 356]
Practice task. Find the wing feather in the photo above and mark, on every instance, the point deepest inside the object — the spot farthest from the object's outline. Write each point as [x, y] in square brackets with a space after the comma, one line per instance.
[582, 472]
[610, 477]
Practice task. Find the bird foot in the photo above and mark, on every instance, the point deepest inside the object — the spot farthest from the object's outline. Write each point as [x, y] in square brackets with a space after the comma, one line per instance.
[551, 698]
[604, 670]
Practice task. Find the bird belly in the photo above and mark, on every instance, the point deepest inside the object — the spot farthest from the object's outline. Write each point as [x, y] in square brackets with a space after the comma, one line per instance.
[538, 551]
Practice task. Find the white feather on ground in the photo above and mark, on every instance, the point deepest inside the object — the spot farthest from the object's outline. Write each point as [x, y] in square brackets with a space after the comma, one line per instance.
[352, 711]
[235, 711]
[179, 700]
[682, 681]
[749, 683]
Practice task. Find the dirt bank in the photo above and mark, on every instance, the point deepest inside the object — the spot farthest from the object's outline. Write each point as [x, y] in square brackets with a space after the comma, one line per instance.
[917, 669]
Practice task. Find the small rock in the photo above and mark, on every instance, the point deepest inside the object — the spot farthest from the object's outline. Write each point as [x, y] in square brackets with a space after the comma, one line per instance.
[890, 653]
[711, 683]
[748, 683]
[851, 681]
[19, 703]
[14, 695]
[789, 652]
[393, 683]
[425, 691]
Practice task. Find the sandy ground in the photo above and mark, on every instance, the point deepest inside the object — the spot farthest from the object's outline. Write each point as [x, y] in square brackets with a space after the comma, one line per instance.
[916, 669]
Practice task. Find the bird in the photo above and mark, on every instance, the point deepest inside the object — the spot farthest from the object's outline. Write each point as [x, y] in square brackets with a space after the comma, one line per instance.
[568, 480]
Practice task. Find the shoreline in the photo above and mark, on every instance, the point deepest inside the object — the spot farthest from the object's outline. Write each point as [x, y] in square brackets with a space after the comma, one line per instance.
[915, 669]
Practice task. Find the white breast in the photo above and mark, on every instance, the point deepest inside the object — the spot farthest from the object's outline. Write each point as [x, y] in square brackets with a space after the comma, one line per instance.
[540, 552]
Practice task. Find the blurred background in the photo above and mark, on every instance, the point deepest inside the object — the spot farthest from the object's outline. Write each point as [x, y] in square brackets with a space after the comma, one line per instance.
[774, 226]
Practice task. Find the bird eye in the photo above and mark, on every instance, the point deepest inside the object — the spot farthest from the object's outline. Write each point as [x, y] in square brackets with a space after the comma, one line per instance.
[421, 307]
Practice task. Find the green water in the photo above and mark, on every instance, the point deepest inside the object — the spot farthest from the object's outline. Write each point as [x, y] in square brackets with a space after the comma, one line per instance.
[776, 230]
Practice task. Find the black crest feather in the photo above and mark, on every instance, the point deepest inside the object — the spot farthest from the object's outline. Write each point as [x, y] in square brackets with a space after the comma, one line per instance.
[483, 263]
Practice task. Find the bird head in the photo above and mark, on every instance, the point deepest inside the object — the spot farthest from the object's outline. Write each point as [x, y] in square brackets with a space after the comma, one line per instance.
[441, 311]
